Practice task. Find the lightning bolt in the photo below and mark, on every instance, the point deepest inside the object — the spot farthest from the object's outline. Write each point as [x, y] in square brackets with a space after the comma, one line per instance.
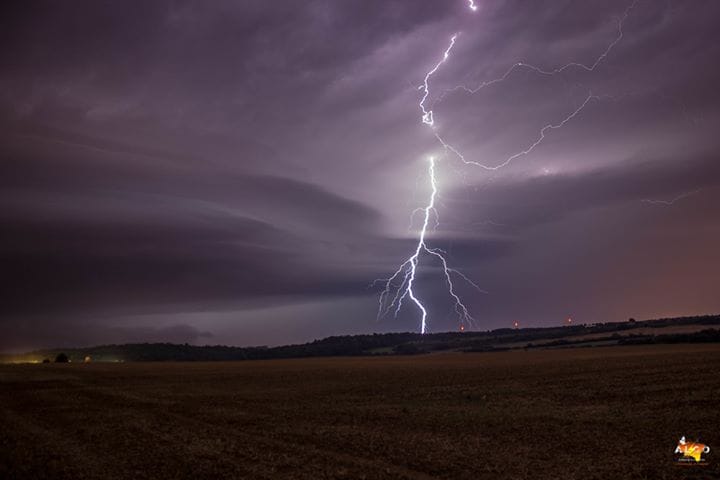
[523, 65]
[427, 115]
[541, 136]
[408, 270]
[401, 283]
[671, 201]
[526, 151]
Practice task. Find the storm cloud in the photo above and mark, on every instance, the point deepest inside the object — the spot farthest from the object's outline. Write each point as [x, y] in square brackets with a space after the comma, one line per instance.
[241, 172]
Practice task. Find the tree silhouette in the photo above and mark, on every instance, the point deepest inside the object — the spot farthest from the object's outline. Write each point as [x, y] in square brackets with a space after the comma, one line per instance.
[61, 358]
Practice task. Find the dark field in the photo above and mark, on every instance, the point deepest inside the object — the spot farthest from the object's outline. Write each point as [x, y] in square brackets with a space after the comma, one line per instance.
[603, 413]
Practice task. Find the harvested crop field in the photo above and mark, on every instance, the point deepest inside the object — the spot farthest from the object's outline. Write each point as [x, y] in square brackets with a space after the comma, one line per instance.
[592, 413]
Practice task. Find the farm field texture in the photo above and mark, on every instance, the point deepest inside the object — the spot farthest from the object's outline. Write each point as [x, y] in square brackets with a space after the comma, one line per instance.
[587, 413]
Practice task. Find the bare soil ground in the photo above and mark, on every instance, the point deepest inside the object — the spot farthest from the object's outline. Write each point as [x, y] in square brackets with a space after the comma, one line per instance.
[594, 413]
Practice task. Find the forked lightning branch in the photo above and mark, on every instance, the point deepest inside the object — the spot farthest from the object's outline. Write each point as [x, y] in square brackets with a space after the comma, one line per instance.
[400, 288]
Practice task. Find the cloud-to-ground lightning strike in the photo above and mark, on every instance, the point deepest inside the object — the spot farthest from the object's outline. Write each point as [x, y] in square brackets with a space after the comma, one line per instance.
[403, 280]
[408, 270]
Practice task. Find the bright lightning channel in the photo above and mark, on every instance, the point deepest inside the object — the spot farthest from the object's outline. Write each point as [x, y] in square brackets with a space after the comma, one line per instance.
[408, 270]
[406, 273]
[427, 115]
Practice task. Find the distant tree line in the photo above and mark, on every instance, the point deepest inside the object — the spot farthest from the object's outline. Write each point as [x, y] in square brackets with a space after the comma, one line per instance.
[710, 335]
[395, 343]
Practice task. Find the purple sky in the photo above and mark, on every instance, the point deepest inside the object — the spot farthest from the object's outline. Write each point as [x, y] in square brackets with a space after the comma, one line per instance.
[239, 172]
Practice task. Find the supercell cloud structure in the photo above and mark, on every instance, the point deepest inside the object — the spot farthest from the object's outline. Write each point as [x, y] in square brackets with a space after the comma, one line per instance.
[238, 172]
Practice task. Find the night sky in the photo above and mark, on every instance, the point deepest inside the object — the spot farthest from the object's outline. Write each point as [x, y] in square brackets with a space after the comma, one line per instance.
[239, 172]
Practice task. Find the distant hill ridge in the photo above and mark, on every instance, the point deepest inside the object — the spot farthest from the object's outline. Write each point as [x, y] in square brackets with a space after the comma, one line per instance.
[612, 333]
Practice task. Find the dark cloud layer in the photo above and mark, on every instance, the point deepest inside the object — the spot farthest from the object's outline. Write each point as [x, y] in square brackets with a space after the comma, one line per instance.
[240, 172]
